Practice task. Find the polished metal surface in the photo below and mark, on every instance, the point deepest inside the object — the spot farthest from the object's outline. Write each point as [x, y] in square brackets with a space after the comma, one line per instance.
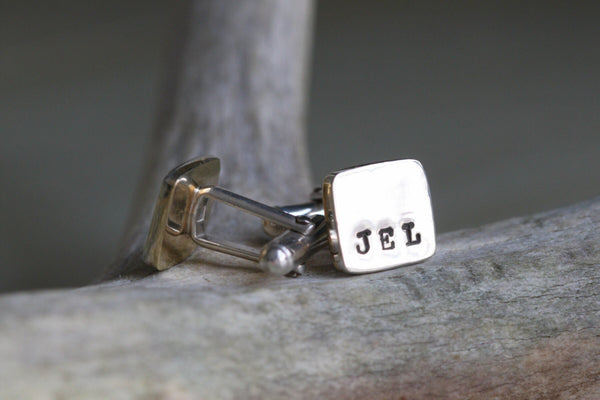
[200, 214]
[379, 216]
[309, 210]
[183, 210]
[289, 250]
[168, 243]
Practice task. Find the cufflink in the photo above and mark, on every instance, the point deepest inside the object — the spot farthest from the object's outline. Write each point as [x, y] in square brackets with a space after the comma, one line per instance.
[374, 217]
[379, 216]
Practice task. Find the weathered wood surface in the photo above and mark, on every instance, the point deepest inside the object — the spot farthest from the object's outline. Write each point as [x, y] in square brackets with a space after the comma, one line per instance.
[508, 310]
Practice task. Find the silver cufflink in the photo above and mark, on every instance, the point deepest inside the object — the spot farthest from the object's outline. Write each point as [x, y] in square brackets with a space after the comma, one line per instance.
[374, 217]
[379, 216]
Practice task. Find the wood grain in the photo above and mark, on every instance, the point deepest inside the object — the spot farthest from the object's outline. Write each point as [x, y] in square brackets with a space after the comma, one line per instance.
[508, 310]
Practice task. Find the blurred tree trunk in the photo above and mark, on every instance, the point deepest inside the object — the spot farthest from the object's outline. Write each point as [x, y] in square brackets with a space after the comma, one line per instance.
[235, 88]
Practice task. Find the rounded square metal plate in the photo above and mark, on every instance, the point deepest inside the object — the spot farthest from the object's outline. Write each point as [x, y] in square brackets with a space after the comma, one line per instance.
[379, 216]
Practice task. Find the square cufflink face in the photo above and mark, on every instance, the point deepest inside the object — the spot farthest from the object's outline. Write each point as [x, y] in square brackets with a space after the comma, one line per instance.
[379, 216]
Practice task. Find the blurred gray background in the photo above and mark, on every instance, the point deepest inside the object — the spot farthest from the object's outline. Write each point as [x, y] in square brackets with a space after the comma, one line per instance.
[499, 101]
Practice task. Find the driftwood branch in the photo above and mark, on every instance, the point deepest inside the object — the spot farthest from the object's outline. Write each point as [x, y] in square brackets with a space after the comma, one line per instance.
[236, 89]
[509, 310]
